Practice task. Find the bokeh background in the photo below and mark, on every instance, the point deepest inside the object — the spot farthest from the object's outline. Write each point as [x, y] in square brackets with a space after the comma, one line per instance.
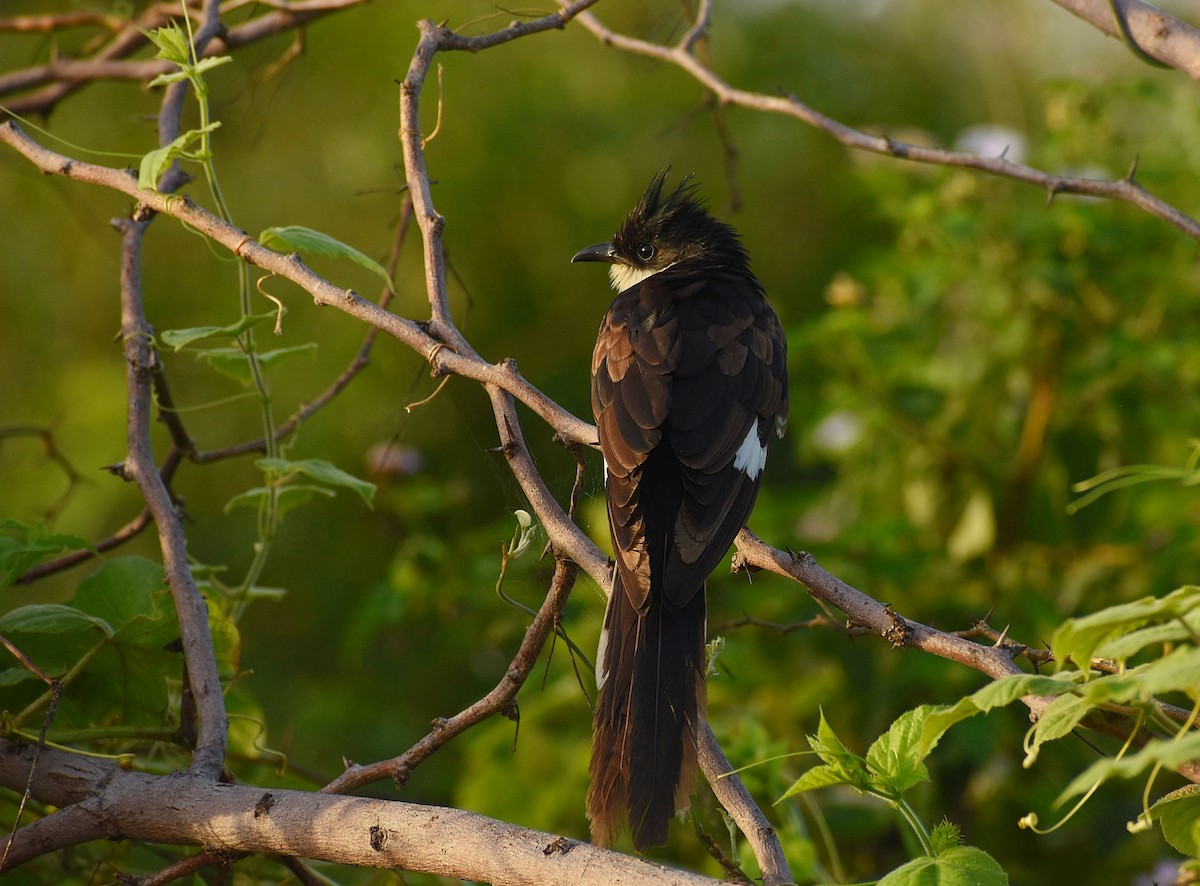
[961, 353]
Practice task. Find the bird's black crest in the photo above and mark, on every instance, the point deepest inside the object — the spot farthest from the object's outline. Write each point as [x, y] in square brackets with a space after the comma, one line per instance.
[679, 224]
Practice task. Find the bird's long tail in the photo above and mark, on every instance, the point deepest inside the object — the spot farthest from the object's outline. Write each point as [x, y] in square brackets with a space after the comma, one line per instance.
[650, 671]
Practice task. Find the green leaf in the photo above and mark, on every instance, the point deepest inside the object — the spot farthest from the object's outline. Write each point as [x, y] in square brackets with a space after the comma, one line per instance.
[51, 618]
[1060, 717]
[896, 757]
[189, 72]
[1079, 638]
[1168, 754]
[961, 866]
[288, 498]
[171, 42]
[296, 238]
[233, 363]
[180, 338]
[24, 545]
[168, 78]
[1178, 814]
[830, 748]
[1120, 649]
[321, 471]
[130, 593]
[213, 61]
[841, 765]
[1179, 670]
[13, 676]
[996, 694]
[227, 643]
[817, 777]
[155, 163]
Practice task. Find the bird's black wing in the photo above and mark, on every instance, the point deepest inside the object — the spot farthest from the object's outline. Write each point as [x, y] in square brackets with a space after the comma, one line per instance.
[688, 376]
[729, 394]
[692, 359]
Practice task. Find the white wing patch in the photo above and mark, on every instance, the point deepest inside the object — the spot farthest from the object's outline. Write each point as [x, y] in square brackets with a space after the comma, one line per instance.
[602, 659]
[751, 455]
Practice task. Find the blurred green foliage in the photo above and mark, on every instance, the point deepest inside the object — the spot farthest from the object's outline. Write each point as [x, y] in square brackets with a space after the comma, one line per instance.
[961, 353]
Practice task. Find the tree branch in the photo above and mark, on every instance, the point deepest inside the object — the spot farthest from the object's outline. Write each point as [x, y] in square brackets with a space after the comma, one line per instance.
[995, 661]
[347, 830]
[1125, 190]
[1154, 32]
[140, 466]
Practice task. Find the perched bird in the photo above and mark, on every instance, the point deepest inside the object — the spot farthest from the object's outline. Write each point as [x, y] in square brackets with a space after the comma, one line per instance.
[689, 380]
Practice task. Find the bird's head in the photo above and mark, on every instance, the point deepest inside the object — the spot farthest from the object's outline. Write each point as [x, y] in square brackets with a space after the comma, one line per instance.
[664, 230]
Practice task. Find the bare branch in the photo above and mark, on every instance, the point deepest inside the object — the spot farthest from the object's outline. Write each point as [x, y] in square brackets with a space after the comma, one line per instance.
[348, 830]
[140, 466]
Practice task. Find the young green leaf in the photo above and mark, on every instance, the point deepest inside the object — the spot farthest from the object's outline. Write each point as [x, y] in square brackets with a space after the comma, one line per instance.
[321, 471]
[841, 765]
[817, 777]
[155, 163]
[296, 238]
[233, 363]
[51, 618]
[896, 758]
[171, 42]
[961, 866]
[181, 338]
[24, 545]
[1079, 638]
[1178, 814]
[288, 498]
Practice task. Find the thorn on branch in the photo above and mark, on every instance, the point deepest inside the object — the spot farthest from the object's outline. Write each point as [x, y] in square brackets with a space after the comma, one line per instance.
[897, 632]
[559, 846]
[119, 470]
[378, 837]
[739, 563]
[401, 776]
[802, 559]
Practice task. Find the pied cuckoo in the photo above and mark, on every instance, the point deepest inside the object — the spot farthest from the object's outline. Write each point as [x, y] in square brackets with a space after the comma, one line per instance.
[689, 381]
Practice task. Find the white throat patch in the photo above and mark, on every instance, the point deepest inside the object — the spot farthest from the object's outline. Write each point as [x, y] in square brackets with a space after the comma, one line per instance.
[623, 276]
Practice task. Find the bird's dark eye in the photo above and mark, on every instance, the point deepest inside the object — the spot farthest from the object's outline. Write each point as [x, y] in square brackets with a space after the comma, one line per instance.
[646, 251]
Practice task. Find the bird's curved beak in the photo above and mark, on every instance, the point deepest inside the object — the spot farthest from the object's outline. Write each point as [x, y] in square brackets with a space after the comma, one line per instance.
[600, 252]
